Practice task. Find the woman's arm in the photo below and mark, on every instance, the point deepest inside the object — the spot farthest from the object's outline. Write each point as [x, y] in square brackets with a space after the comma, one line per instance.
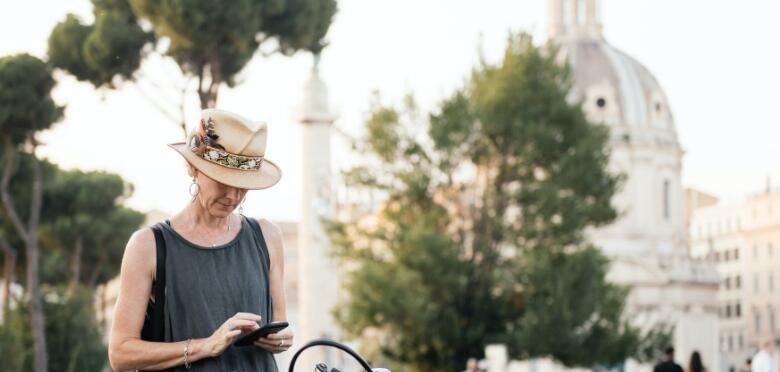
[276, 342]
[126, 350]
[273, 239]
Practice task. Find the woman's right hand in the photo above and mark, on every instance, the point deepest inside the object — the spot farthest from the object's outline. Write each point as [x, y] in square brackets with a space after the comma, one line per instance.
[229, 330]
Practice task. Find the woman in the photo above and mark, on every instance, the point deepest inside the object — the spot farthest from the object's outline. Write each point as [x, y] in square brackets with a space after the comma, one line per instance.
[696, 365]
[224, 272]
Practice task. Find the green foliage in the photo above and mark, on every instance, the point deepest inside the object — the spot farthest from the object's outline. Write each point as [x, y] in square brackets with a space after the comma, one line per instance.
[302, 24]
[66, 45]
[26, 105]
[81, 208]
[111, 47]
[103, 250]
[205, 32]
[14, 340]
[481, 236]
[73, 337]
[654, 342]
[75, 192]
[19, 188]
[224, 36]
[210, 40]
[579, 316]
[76, 205]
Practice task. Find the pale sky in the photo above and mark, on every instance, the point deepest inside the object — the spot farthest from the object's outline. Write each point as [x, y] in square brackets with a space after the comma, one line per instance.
[718, 61]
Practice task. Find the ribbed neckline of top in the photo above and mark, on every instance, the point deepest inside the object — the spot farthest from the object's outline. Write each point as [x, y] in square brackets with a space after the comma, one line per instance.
[232, 242]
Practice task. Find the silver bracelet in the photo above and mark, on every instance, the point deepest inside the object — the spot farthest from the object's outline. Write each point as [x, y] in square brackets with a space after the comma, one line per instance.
[187, 354]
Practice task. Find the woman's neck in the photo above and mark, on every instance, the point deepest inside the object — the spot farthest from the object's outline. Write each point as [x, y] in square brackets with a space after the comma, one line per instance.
[196, 217]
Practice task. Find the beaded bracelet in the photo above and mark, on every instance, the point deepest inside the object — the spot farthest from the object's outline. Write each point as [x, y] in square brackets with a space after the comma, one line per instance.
[187, 354]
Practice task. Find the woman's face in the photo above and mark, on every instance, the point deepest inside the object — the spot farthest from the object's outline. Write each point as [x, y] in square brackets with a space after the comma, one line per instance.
[218, 199]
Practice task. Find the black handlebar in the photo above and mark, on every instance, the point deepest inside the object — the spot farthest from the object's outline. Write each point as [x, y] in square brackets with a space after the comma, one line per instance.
[326, 342]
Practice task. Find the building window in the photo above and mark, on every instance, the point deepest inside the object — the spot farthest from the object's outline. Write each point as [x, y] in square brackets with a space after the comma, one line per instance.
[728, 311]
[731, 342]
[771, 282]
[727, 283]
[726, 256]
[755, 283]
[666, 199]
[738, 282]
[757, 321]
[741, 342]
[737, 314]
[736, 254]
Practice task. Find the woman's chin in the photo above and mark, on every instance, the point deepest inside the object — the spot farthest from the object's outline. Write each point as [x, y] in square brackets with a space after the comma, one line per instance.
[221, 210]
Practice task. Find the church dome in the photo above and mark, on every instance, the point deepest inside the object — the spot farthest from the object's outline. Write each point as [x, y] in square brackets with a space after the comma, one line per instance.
[614, 88]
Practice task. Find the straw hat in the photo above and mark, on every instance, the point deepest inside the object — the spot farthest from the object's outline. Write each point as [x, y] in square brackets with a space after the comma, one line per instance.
[231, 150]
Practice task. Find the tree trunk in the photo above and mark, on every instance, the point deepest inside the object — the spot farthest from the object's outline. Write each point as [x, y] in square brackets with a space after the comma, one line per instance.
[30, 236]
[36, 306]
[182, 112]
[207, 92]
[75, 265]
[9, 260]
[33, 258]
[92, 281]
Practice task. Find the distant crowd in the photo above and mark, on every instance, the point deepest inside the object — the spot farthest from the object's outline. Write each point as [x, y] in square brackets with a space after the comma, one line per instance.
[762, 361]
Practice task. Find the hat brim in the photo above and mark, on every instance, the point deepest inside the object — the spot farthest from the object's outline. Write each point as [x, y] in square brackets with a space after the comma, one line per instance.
[268, 174]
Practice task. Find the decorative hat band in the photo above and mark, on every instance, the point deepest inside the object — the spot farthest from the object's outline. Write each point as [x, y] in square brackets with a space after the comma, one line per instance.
[204, 144]
[226, 159]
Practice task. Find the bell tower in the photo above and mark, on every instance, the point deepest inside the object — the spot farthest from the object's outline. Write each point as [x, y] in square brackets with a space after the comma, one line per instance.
[574, 19]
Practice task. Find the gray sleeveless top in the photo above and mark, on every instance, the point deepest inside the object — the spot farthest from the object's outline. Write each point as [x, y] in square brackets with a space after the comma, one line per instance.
[206, 286]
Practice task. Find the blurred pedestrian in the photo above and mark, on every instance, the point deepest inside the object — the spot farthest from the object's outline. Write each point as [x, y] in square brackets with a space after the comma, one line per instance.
[471, 365]
[668, 364]
[695, 364]
[762, 361]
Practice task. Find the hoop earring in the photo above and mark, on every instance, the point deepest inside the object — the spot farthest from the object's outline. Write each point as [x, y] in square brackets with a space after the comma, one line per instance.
[241, 206]
[194, 185]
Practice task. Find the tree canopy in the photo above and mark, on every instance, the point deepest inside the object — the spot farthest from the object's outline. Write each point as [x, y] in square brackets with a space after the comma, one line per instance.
[480, 236]
[209, 40]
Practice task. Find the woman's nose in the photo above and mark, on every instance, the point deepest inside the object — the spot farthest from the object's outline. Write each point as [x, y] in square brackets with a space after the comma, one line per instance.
[235, 193]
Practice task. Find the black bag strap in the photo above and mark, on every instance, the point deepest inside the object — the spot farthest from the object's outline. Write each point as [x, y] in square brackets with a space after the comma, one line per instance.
[158, 320]
[154, 326]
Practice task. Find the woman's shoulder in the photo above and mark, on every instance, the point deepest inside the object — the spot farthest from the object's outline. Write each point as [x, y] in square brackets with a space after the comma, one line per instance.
[273, 238]
[271, 231]
[141, 244]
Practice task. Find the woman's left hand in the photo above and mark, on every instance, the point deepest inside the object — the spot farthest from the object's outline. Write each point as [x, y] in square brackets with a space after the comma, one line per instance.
[276, 342]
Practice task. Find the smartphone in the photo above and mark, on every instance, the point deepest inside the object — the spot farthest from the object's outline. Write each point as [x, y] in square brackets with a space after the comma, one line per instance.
[251, 337]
